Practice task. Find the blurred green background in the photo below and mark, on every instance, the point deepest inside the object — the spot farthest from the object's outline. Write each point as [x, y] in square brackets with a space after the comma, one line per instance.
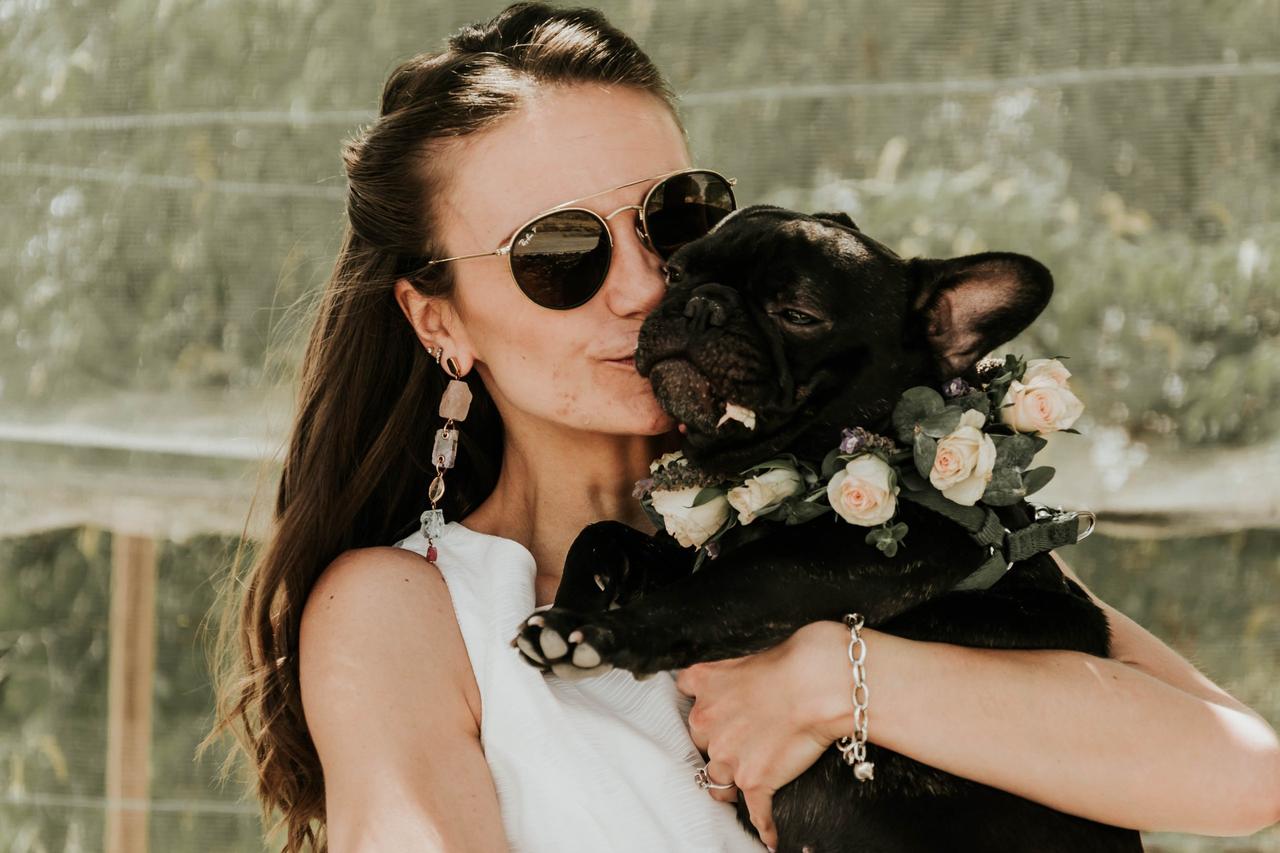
[172, 195]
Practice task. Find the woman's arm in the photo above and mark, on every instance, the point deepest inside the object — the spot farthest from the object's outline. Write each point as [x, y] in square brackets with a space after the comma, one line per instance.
[392, 707]
[1142, 740]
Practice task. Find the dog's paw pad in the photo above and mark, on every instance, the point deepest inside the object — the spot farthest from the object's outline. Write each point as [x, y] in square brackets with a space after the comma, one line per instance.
[584, 655]
[570, 672]
[522, 642]
[553, 645]
[564, 641]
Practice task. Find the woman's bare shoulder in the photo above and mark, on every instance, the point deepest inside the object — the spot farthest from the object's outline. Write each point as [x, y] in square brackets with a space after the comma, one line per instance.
[392, 707]
[387, 612]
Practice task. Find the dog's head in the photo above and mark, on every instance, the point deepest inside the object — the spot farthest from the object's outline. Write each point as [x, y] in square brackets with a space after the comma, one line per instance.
[811, 326]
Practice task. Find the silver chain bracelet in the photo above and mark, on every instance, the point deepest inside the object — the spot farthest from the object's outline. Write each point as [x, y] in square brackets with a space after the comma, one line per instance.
[854, 749]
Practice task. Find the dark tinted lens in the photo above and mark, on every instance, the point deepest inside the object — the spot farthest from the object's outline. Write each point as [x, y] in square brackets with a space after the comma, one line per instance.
[685, 207]
[560, 260]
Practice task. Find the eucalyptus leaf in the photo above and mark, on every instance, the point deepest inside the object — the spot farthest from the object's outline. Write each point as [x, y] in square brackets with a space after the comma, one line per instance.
[799, 512]
[1015, 451]
[975, 400]
[925, 449]
[1037, 478]
[943, 423]
[830, 463]
[707, 495]
[913, 406]
[1004, 489]
[653, 514]
[912, 481]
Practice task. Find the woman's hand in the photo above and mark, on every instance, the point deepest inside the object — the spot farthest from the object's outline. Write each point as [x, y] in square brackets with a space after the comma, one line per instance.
[756, 717]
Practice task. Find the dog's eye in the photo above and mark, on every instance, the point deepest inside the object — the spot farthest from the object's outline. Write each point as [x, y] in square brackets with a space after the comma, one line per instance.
[798, 318]
[671, 274]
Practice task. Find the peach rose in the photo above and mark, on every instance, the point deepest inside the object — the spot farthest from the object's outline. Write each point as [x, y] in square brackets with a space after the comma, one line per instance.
[861, 491]
[965, 459]
[1041, 401]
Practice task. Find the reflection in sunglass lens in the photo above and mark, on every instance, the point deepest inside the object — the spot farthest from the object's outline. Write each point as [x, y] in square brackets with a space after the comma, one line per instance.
[560, 260]
[685, 207]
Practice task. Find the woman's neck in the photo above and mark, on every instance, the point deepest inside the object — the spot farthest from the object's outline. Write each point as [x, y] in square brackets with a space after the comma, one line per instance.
[552, 486]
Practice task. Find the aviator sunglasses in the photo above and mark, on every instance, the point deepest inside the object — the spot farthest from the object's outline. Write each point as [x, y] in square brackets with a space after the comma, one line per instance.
[560, 257]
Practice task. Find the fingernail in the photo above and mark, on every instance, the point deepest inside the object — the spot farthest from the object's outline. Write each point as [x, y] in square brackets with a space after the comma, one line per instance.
[771, 849]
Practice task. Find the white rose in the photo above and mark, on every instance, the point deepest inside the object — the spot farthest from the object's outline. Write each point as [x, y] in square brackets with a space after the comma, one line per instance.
[1041, 401]
[965, 459]
[690, 525]
[1045, 368]
[861, 493]
[673, 456]
[764, 490]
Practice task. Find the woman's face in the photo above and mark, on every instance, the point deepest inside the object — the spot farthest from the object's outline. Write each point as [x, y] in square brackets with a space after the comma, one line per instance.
[568, 367]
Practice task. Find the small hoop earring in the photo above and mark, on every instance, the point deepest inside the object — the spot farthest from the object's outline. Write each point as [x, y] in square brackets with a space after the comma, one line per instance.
[454, 405]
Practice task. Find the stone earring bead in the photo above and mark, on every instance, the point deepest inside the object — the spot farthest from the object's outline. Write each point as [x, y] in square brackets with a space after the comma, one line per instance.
[454, 405]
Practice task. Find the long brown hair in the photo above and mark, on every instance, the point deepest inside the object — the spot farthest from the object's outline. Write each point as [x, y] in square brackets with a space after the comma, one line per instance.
[355, 468]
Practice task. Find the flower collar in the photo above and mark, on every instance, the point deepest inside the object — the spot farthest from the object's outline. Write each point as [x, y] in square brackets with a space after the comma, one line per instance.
[955, 450]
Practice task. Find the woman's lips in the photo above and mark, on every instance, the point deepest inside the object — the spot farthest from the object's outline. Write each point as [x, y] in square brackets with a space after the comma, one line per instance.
[629, 361]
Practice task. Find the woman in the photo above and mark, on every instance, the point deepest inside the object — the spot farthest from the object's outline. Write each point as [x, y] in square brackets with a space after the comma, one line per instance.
[371, 672]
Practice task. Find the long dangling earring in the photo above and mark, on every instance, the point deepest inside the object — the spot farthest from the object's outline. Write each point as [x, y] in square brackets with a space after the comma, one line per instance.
[453, 407]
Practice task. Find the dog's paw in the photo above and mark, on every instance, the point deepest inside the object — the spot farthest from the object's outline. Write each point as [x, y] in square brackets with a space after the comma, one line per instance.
[565, 642]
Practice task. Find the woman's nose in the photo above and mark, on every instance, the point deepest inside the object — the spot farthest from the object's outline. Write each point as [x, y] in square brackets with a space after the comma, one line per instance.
[635, 284]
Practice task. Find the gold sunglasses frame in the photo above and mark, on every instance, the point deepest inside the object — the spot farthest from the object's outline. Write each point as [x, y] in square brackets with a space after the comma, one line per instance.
[642, 228]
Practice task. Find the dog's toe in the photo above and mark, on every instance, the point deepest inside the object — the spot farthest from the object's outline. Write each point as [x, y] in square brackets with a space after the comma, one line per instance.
[584, 655]
[553, 645]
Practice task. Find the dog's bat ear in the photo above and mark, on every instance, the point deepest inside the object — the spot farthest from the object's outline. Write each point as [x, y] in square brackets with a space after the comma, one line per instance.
[968, 306]
[836, 216]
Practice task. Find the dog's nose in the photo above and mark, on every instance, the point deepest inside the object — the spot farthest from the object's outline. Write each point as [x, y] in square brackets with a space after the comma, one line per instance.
[707, 305]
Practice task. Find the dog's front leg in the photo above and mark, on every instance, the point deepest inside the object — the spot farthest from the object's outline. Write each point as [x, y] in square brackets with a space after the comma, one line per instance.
[738, 604]
[609, 565]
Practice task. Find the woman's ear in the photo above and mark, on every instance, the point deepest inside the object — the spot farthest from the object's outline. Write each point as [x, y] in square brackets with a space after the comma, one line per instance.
[968, 306]
[434, 322]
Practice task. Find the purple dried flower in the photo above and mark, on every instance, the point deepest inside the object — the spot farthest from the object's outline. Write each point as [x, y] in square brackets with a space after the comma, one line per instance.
[712, 549]
[852, 440]
[956, 388]
[643, 487]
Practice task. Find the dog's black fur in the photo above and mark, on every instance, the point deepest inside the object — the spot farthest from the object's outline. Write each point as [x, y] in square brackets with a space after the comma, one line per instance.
[875, 324]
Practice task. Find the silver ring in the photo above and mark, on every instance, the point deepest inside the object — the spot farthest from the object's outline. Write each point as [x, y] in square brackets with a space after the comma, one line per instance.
[705, 783]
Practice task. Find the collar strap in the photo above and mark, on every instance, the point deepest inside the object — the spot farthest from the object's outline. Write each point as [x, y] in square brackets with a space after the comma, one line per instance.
[1049, 529]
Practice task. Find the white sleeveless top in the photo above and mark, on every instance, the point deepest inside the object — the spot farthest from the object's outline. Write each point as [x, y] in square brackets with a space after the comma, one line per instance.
[601, 764]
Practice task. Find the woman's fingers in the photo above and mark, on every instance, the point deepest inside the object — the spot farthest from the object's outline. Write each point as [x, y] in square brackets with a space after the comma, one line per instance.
[760, 804]
[720, 773]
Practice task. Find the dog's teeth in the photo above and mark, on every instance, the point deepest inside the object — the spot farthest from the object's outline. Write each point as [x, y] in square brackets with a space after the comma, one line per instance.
[734, 412]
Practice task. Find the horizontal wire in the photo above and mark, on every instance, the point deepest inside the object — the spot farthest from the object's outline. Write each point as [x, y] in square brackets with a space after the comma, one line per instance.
[979, 85]
[193, 118]
[170, 182]
[78, 801]
[972, 85]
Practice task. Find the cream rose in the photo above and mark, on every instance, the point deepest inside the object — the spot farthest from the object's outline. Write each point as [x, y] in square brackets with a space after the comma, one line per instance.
[764, 490]
[1041, 401]
[861, 492]
[965, 459]
[690, 525]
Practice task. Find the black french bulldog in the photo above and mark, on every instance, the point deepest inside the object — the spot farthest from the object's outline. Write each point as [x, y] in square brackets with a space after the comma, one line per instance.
[815, 327]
